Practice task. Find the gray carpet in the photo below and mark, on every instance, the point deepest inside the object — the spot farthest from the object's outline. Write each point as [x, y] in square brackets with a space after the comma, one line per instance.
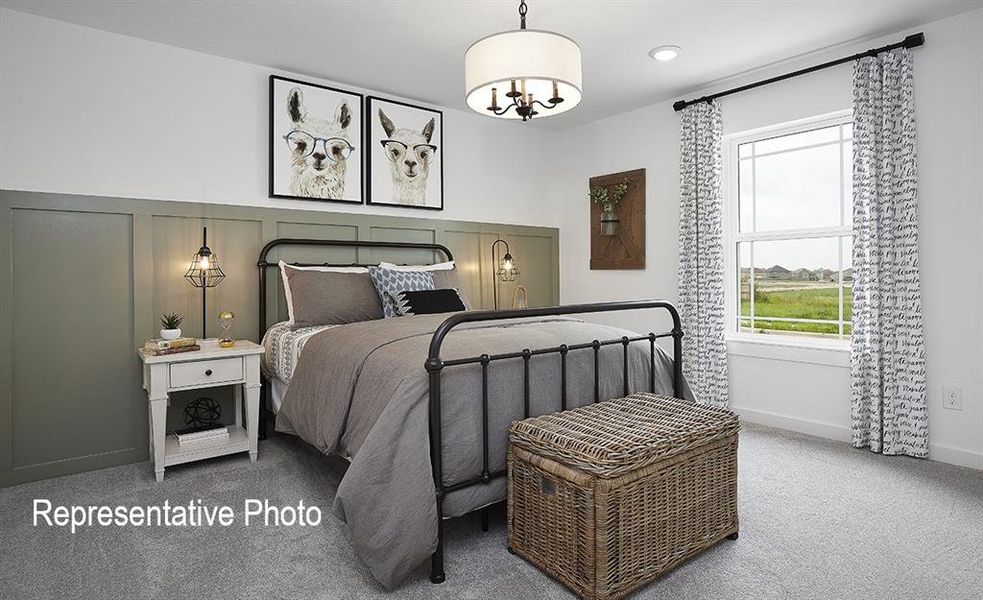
[818, 520]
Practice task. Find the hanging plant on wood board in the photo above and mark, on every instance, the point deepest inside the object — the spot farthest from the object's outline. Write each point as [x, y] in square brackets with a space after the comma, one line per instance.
[609, 201]
[617, 220]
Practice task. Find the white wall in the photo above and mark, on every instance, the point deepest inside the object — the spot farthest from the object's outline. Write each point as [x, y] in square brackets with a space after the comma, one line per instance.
[83, 111]
[809, 390]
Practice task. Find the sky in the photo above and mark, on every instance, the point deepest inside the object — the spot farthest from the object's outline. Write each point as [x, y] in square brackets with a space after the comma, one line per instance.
[800, 188]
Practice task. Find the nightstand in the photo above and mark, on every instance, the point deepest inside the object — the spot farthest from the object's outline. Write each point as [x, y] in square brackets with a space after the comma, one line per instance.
[212, 366]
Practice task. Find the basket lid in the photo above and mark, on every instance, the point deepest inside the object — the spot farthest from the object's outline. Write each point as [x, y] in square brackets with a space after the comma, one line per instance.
[615, 437]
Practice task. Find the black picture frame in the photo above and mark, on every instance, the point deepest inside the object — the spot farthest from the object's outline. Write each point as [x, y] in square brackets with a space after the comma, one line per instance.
[376, 158]
[356, 137]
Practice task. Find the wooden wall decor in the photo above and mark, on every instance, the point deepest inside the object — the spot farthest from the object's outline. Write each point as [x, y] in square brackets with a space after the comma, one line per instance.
[626, 248]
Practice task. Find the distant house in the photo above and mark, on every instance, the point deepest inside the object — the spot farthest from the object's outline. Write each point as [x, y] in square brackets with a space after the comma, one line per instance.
[804, 275]
[824, 275]
[777, 272]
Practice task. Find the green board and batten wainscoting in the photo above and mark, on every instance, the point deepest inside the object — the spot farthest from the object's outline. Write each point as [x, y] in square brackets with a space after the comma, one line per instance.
[86, 277]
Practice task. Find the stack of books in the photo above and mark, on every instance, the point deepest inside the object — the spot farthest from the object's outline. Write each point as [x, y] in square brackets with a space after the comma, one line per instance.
[197, 436]
[158, 347]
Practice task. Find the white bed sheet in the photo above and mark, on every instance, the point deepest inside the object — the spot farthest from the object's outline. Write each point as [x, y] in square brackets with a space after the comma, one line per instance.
[278, 389]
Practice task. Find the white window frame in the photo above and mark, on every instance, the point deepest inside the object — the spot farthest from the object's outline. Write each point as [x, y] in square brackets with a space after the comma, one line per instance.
[732, 235]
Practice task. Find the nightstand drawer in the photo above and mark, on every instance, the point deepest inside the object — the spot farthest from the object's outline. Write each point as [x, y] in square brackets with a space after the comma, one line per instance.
[205, 372]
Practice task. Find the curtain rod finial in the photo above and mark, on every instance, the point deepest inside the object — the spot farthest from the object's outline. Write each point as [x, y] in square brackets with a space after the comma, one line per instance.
[914, 40]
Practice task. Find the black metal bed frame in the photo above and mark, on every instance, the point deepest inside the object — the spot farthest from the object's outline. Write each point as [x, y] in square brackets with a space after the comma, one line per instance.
[435, 365]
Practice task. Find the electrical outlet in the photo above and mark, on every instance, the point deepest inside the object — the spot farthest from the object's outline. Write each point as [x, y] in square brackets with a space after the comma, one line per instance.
[952, 398]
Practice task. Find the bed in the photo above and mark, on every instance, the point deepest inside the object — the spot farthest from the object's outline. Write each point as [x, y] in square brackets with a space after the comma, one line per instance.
[420, 406]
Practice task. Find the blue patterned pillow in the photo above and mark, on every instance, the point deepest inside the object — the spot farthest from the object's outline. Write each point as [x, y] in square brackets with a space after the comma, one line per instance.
[388, 281]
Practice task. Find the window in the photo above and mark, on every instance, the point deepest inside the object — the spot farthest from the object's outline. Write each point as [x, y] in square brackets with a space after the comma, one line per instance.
[790, 211]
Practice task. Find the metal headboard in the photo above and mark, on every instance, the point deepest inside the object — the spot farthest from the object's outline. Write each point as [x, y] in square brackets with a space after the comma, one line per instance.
[264, 264]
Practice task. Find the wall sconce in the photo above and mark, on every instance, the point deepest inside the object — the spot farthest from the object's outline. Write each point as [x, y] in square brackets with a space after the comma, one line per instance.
[204, 273]
[505, 269]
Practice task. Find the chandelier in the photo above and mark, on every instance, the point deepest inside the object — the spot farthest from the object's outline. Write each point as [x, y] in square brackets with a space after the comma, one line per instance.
[525, 70]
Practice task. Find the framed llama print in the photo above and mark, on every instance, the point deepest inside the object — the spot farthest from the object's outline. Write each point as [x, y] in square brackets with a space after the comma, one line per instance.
[315, 142]
[405, 155]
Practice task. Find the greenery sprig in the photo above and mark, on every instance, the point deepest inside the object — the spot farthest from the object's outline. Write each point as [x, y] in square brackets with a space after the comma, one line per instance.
[599, 195]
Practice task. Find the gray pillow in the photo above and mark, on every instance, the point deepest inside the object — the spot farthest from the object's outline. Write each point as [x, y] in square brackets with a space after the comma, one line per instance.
[330, 298]
[447, 279]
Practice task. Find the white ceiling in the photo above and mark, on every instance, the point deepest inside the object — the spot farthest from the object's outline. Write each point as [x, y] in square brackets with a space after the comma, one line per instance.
[416, 48]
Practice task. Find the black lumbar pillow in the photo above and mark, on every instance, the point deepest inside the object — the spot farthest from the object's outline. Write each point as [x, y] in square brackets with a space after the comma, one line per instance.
[427, 302]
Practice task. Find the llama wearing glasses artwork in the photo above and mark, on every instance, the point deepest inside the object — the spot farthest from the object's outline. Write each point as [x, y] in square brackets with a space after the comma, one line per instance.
[410, 154]
[319, 149]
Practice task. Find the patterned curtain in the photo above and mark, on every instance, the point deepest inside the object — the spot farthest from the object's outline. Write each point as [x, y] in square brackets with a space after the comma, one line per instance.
[701, 254]
[890, 414]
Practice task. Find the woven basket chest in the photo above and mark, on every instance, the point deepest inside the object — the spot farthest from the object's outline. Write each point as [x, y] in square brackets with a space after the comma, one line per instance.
[607, 497]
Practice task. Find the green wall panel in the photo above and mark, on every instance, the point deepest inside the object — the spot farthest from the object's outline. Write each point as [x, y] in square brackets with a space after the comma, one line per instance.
[75, 384]
[236, 243]
[403, 234]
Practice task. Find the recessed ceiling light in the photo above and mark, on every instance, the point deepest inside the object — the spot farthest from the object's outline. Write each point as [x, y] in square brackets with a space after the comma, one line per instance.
[665, 53]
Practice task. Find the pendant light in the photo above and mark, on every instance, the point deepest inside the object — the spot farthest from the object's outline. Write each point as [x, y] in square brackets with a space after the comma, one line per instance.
[523, 73]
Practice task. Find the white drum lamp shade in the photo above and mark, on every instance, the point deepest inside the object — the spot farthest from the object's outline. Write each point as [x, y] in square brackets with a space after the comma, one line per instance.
[541, 64]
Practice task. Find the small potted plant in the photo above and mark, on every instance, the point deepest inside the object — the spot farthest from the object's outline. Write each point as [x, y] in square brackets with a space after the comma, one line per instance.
[609, 218]
[170, 326]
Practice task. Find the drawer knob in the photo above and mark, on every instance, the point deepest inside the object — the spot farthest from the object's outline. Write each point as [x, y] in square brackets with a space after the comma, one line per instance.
[208, 372]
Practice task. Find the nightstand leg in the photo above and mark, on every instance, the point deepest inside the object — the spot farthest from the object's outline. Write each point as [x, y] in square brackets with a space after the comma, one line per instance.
[252, 418]
[237, 401]
[158, 424]
[150, 433]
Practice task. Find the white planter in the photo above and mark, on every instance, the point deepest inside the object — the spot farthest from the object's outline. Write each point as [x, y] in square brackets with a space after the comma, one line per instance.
[170, 334]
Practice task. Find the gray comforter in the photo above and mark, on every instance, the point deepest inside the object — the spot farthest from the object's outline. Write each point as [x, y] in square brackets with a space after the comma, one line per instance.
[360, 390]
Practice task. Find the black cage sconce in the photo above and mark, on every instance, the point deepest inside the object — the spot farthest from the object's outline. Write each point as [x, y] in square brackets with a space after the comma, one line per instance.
[504, 269]
[204, 273]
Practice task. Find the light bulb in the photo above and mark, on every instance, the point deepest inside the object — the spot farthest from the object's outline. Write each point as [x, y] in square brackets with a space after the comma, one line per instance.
[203, 263]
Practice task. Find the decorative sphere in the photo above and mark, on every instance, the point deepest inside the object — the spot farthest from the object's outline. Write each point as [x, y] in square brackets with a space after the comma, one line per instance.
[203, 412]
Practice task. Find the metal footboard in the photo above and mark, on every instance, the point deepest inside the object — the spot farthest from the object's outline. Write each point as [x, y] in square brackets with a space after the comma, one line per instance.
[435, 367]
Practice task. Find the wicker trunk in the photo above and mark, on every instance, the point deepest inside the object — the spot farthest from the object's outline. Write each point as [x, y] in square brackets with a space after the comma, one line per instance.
[607, 497]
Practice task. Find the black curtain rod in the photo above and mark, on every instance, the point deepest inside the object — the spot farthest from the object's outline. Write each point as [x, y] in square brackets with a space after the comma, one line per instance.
[912, 41]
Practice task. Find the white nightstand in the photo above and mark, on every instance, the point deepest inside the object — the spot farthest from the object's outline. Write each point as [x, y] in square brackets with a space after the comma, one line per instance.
[211, 366]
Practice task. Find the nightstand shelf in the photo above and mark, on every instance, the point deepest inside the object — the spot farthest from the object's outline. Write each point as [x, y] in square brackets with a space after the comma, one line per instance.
[212, 366]
[175, 453]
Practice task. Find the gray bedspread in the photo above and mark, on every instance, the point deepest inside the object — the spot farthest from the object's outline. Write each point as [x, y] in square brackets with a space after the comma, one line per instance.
[360, 390]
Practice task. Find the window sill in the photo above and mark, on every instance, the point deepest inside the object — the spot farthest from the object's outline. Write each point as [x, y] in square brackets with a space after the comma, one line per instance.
[834, 353]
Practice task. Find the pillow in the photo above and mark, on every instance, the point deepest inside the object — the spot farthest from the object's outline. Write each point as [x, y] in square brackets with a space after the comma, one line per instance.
[389, 280]
[447, 279]
[444, 277]
[329, 295]
[426, 302]
[286, 286]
